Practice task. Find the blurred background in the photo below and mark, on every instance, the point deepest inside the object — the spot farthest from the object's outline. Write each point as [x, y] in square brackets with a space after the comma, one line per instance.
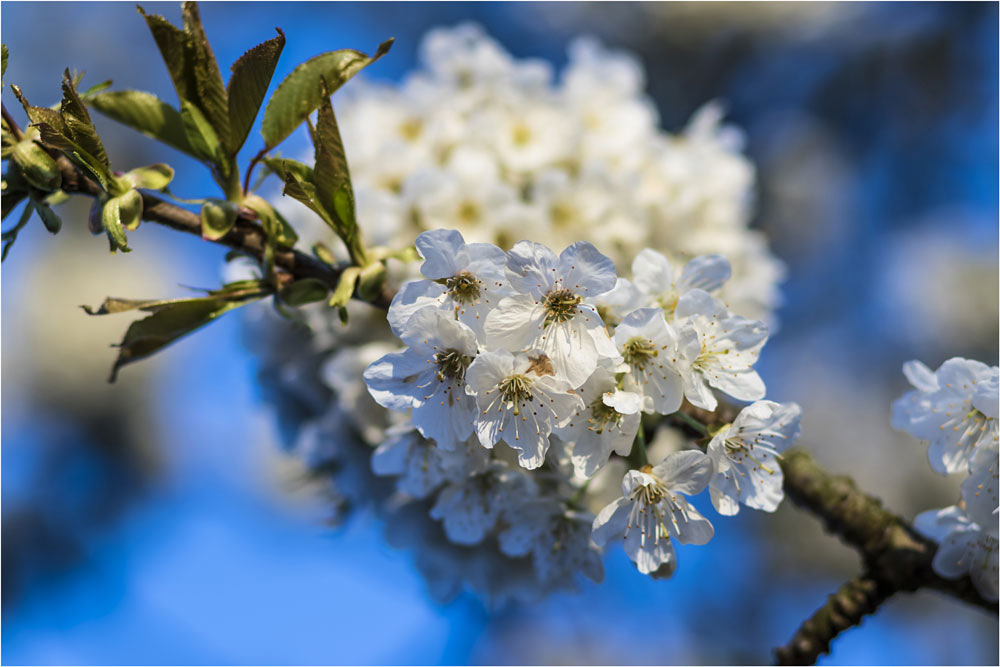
[155, 520]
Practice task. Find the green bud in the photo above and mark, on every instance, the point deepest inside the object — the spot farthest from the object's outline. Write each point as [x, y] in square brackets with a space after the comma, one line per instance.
[217, 218]
[38, 167]
[301, 292]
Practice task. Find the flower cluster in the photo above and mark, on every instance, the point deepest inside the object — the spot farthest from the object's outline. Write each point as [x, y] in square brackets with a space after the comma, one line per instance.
[955, 410]
[503, 149]
[525, 372]
[526, 375]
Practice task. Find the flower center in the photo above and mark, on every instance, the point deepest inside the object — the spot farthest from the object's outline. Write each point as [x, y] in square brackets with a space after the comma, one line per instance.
[638, 352]
[650, 494]
[601, 415]
[560, 306]
[451, 364]
[515, 389]
[463, 287]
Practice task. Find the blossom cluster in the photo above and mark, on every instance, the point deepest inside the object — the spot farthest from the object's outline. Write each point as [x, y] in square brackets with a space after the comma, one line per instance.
[525, 372]
[501, 149]
[955, 409]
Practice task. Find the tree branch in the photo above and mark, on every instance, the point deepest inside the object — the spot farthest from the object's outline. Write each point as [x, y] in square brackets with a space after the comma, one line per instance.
[896, 557]
[857, 598]
[246, 235]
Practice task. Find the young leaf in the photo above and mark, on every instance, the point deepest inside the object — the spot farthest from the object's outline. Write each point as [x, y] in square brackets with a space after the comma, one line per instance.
[274, 224]
[154, 177]
[217, 218]
[201, 135]
[331, 174]
[81, 127]
[302, 90]
[37, 166]
[48, 216]
[282, 166]
[175, 48]
[114, 220]
[301, 292]
[251, 76]
[3, 62]
[171, 319]
[211, 91]
[147, 114]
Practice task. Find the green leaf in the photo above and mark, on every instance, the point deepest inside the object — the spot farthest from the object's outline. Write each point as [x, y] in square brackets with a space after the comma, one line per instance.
[48, 216]
[37, 166]
[248, 84]
[282, 166]
[274, 223]
[201, 135]
[331, 174]
[176, 51]
[154, 177]
[171, 319]
[212, 98]
[130, 209]
[345, 287]
[81, 127]
[114, 221]
[324, 254]
[217, 218]
[147, 114]
[301, 292]
[3, 63]
[95, 89]
[302, 90]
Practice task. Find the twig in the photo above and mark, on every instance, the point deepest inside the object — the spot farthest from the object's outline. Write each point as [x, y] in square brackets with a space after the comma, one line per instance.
[246, 236]
[857, 598]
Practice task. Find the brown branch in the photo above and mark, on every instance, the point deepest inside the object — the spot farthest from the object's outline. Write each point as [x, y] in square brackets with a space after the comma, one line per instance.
[896, 558]
[246, 235]
[843, 610]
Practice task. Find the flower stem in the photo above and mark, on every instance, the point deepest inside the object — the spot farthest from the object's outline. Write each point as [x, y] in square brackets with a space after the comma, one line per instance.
[692, 422]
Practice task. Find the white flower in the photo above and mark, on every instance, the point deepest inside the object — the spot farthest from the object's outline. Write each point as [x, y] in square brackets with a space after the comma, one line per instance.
[558, 541]
[979, 490]
[954, 408]
[422, 467]
[520, 401]
[964, 547]
[429, 377]
[745, 454]
[652, 510]
[469, 508]
[466, 279]
[718, 349]
[615, 304]
[648, 346]
[607, 422]
[663, 284]
[548, 314]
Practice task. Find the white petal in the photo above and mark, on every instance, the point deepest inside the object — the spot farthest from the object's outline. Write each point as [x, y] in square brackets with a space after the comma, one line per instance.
[611, 521]
[439, 248]
[624, 402]
[707, 272]
[652, 273]
[920, 376]
[686, 472]
[585, 271]
[532, 268]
